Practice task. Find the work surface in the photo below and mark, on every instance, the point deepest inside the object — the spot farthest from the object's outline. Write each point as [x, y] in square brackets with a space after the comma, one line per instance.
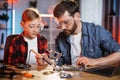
[47, 73]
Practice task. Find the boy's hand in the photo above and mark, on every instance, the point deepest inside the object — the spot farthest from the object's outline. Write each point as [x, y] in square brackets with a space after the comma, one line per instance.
[39, 58]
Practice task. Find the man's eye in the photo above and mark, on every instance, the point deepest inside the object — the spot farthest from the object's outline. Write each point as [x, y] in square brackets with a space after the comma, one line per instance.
[38, 26]
[66, 22]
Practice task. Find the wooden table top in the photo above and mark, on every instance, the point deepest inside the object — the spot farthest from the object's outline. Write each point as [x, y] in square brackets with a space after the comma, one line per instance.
[47, 73]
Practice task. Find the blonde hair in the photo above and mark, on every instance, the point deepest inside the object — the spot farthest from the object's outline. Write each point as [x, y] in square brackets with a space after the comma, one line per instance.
[30, 14]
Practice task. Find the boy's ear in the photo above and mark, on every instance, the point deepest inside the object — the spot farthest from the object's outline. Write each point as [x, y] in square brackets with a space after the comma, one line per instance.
[21, 23]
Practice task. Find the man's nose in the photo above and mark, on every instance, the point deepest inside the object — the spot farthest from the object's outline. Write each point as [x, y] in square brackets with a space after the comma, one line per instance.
[63, 26]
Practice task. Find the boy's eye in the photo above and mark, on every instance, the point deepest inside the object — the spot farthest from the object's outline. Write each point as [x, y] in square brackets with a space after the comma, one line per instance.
[31, 26]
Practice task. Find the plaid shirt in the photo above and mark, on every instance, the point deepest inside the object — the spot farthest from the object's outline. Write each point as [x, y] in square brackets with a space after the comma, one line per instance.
[19, 48]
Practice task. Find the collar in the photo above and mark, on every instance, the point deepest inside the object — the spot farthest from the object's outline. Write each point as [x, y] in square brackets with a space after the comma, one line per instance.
[84, 29]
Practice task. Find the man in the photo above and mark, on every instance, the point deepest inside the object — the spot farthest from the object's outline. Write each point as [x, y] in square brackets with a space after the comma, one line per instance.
[82, 42]
[29, 41]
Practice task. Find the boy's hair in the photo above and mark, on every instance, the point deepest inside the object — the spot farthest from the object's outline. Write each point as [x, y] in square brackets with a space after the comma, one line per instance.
[66, 5]
[30, 14]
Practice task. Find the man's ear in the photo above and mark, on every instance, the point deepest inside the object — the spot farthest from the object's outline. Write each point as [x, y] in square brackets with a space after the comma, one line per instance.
[77, 16]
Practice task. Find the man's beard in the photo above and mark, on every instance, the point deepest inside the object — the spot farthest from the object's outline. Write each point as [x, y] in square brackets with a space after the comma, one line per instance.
[72, 31]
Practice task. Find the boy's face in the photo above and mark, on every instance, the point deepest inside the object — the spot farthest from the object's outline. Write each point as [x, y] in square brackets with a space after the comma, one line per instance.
[31, 28]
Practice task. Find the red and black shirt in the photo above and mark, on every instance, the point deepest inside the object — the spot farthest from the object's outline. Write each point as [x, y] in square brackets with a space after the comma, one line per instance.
[19, 49]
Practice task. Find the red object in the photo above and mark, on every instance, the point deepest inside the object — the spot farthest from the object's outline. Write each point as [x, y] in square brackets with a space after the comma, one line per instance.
[12, 1]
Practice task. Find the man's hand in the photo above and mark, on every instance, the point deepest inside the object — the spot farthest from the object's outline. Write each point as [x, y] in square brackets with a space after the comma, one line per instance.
[86, 61]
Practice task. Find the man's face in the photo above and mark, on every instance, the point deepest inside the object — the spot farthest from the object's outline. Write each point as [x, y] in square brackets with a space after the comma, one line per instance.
[32, 28]
[67, 23]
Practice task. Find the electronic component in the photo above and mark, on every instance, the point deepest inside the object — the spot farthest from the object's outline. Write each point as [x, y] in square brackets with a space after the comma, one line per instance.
[64, 74]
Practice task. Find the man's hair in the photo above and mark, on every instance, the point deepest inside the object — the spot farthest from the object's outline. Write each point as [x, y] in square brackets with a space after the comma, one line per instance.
[66, 5]
[30, 14]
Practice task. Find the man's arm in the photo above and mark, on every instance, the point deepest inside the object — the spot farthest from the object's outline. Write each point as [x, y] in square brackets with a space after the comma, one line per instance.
[109, 45]
[108, 60]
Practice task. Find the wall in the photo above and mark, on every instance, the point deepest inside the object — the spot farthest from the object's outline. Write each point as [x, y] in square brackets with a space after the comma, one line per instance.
[91, 11]
[18, 7]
